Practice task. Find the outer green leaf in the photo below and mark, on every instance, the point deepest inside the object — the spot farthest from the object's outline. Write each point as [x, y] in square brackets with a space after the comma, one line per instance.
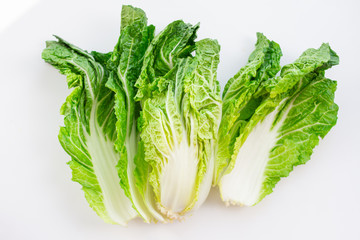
[89, 132]
[175, 41]
[178, 130]
[126, 62]
[239, 101]
[284, 129]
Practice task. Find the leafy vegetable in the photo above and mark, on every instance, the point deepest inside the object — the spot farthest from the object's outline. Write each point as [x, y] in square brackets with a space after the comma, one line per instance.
[282, 132]
[126, 63]
[181, 106]
[143, 123]
[89, 132]
[239, 103]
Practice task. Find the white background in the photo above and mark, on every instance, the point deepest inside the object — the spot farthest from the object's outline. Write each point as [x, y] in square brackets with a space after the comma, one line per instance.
[319, 200]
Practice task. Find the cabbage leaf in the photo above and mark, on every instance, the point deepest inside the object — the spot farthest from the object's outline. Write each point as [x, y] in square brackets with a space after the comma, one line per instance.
[181, 110]
[297, 109]
[89, 132]
[239, 102]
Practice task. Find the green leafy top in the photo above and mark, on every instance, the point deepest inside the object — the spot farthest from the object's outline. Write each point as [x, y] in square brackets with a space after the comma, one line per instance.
[312, 60]
[175, 41]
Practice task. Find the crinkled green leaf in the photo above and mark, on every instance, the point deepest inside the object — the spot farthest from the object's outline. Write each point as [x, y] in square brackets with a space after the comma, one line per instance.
[89, 132]
[284, 128]
[175, 41]
[311, 60]
[239, 101]
[125, 63]
[178, 129]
